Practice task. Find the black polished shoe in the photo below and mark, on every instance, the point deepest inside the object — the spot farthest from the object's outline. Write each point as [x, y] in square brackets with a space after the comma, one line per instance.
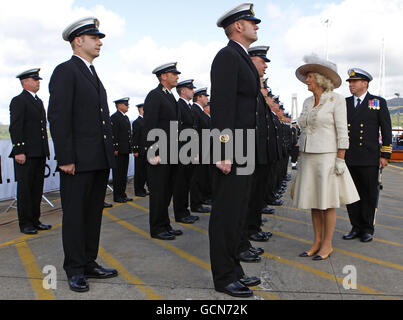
[256, 251]
[250, 281]
[236, 289]
[187, 220]
[141, 194]
[175, 232]
[100, 273]
[78, 283]
[208, 202]
[267, 233]
[43, 227]
[350, 236]
[366, 237]
[276, 203]
[29, 230]
[268, 210]
[259, 237]
[164, 236]
[200, 209]
[107, 205]
[120, 200]
[128, 199]
[248, 256]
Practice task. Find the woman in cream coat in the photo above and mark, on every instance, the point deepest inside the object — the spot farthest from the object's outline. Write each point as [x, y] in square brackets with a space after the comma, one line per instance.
[323, 182]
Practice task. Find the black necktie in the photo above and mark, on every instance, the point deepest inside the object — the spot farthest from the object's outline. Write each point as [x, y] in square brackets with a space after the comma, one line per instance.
[36, 98]
[94, 73]
[358, 103]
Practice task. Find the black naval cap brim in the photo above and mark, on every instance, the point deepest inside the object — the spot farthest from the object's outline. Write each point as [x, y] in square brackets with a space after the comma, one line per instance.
[34, 74]
[86, 31]
[186, 84]
[241, 16]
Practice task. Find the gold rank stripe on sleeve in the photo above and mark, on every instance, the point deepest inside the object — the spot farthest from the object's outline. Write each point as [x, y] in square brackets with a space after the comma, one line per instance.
[387, 149]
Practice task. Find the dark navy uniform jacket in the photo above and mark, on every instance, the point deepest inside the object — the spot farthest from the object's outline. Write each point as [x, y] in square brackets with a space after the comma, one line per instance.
[364, 124]
[138, 138]
[122, 133]
[28, 126]
[160, 110]
[79, 118]
[235, 85]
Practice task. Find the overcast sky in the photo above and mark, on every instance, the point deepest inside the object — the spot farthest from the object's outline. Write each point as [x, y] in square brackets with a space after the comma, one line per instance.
[141, 35]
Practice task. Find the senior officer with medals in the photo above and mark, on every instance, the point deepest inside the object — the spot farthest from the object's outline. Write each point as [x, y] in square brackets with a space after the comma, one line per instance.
[82, 135]
[367, 114]
[161, 112]
[140, 154]
[122, 141]
[184, 171]
[30, 149]
[235, 85]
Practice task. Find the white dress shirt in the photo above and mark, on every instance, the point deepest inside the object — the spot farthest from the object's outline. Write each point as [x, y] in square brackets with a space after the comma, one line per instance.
[361, 99]
[242, 46]
[86, 63]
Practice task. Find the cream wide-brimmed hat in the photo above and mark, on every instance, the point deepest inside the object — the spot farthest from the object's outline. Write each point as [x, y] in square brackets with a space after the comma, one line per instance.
[317, 65]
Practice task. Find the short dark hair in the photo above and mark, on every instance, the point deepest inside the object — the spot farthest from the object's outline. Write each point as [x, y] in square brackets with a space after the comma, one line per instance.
[229, 30]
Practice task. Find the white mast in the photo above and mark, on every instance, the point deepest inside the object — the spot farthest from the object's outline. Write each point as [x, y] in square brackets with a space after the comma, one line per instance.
[382, 71]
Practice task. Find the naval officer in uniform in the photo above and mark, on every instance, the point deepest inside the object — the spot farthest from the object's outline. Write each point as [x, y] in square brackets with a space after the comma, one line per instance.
[184, 171]
[235, 85]
[30, 149]
[122, 141]
[140, 154]
[201, 182]
[367, 115]
[161, 112]
[82, 135]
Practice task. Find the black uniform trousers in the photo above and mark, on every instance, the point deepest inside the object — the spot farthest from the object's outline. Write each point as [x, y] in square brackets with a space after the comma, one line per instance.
[30, 180]
[120, 176]
[182, 183]
[362, 212]
[199, 185]
[256, 202]
[231, 194]
[160, 183]
[140, 173]
[272, 175]
[82, 198]
[294, 154]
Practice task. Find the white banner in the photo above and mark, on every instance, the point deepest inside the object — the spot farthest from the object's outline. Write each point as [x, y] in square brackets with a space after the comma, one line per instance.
[8, 187]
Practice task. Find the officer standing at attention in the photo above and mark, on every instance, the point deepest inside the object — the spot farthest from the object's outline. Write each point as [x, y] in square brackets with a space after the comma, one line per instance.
[184, 171]
[235, 85]
[82, 135]
[30, 149]
[366, 114]
[201, 183]
[140, 154]
[122, 141]
[253, 224]
[160, 112]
